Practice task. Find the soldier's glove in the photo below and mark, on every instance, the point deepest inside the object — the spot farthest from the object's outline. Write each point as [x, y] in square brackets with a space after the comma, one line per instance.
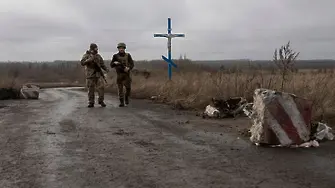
[126, 69]
[116, 63]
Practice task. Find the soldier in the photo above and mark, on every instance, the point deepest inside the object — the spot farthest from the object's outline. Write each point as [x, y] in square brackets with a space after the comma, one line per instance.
[123, 64]
[93, 61]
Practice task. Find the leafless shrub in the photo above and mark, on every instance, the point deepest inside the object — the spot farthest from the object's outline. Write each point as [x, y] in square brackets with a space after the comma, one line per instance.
[286, 61]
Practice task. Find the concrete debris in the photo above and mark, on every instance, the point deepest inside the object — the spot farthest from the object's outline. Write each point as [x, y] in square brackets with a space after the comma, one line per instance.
[280, 118]
[232, 107]
[319, 131]
[29, 92]
[248, 109]
[312, 143]
[211, 111]
[323, 132]
[284, 120]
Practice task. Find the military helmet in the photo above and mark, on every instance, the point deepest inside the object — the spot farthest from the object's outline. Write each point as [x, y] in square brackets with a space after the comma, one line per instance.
[121, 45]
[93, 46]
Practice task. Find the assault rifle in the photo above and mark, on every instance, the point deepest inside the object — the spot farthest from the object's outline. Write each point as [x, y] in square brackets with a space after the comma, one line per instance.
[97, 67]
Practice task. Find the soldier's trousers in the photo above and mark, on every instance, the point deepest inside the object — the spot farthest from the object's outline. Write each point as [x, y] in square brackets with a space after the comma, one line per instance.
[95, 84]
[123, 80]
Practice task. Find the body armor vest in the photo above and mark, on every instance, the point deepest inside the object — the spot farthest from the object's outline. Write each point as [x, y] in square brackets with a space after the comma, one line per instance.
[123, 60]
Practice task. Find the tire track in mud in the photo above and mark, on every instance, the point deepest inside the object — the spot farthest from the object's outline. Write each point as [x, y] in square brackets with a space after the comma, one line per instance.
[137, 156]
[38, 147]
[133, 157]
[55, 118]
[162, 159]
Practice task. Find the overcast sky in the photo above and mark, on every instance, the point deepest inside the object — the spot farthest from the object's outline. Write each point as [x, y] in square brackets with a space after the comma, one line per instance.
[214, 29]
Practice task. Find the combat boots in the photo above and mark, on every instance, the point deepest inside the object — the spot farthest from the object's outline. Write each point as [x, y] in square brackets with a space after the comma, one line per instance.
[102, 104]
[121, 103]
[126, 100]
[91, 105]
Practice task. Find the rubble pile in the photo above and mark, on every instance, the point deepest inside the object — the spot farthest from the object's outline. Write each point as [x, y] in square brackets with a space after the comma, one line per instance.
[322, 132]
[29, 92]
[25, 92]
[279, 119]
[232, 107]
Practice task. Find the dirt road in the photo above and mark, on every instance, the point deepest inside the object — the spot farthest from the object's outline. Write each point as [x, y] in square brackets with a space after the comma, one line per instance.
[58, 142]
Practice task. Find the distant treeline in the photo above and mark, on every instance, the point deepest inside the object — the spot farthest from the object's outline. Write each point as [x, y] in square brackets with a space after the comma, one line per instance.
[241, 64]
[300, 64]
[183, 64]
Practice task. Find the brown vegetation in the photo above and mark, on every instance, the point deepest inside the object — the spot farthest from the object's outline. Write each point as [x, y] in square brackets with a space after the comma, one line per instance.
[195, 89]
[192, 86]
[285, 58]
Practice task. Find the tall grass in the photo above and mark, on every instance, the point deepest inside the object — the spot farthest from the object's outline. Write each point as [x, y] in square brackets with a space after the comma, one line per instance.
[192, 86]
[195, 89]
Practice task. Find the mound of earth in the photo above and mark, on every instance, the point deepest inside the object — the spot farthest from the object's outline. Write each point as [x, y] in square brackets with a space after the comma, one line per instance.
[9, 93]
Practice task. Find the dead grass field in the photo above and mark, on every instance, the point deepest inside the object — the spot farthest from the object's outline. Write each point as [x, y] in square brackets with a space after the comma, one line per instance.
[9, 82]
[193, 89]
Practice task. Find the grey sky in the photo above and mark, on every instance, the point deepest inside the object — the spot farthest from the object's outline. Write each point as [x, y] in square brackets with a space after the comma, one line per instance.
[215, 29]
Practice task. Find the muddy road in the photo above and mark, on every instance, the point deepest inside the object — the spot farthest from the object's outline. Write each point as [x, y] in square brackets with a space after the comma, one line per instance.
[58, 142]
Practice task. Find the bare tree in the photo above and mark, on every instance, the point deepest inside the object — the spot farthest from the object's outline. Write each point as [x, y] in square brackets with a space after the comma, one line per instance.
[285, 60]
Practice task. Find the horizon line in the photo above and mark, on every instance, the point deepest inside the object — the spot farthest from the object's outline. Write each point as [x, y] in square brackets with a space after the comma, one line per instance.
[51, 61]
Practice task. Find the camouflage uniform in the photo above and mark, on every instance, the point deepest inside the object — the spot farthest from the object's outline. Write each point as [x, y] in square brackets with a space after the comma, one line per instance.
[94, 79]
[123, 77]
